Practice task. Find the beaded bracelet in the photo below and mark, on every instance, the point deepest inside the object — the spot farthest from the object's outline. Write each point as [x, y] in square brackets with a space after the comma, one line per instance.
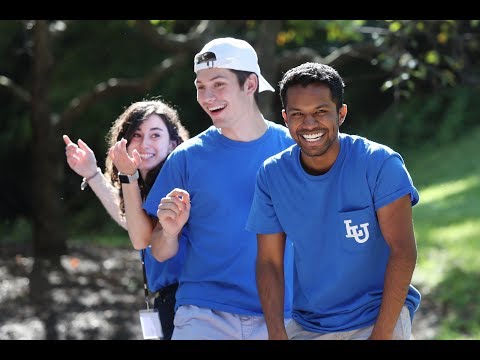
[85, 181]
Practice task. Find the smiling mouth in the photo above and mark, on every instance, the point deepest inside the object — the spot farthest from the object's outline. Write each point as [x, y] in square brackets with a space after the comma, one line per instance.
[216, 108]
[313, 137]
[147, 156]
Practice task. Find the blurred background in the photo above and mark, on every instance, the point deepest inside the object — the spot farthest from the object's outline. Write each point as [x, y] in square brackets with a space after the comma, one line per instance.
[410, 84]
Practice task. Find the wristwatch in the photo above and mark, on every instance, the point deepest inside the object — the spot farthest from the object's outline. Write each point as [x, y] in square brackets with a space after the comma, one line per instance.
[127, 179]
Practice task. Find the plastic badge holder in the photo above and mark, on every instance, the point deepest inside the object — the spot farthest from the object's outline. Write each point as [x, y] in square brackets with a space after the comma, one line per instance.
[151, 327]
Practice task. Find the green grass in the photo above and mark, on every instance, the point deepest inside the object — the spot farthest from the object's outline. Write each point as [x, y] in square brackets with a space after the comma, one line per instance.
[109, 235]
[447, 229]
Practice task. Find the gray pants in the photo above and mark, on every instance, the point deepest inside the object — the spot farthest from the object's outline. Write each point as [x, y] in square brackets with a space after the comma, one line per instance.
[402, 331]
[196, 323]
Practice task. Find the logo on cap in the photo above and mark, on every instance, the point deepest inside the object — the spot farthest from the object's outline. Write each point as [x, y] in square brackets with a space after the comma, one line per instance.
[206, 57]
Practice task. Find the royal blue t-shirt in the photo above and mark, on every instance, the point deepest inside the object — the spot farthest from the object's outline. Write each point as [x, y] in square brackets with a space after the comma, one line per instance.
[219, 174]
[165, 273]
[340, 253]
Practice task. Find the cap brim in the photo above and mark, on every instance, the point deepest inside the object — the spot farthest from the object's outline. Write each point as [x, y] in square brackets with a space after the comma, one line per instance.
[263, 85]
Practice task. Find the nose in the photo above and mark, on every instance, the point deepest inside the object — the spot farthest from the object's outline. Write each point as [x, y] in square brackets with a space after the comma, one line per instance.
[206, 95]
[309, 120]
[145, 141]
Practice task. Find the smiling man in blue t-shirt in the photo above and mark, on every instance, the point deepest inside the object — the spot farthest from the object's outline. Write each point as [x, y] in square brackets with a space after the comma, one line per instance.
[207, 186]
[346, 204]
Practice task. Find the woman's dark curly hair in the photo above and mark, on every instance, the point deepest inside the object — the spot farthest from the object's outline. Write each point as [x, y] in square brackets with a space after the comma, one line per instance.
[126, 125]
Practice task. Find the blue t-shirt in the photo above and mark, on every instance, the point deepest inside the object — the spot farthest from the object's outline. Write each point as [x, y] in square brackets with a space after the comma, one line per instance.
[340, 253]
[161, 274]
[219, 174]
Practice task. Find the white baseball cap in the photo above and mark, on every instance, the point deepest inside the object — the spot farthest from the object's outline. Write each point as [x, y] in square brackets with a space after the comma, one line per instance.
[230, 53]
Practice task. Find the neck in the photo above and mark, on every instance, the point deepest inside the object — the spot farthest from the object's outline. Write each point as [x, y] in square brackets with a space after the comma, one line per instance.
[143, 173]
[249, 127]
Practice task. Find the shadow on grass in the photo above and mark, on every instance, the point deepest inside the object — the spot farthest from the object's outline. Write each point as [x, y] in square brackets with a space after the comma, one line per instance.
[92, 294]
[457, 297]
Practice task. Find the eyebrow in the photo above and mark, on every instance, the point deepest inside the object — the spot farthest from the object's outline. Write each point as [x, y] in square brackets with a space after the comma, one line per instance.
[321, 106]
[152, 129]
[216, 77]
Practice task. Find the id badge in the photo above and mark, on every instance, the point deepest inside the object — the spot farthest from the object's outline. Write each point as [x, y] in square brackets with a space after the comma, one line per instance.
[151, 327]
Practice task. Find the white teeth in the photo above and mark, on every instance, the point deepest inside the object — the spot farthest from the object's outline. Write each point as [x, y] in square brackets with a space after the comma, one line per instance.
[216, 108]
[312, 137]
[146, 156]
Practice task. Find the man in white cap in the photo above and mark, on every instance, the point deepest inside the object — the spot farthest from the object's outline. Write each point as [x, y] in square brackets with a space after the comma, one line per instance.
[207, 185]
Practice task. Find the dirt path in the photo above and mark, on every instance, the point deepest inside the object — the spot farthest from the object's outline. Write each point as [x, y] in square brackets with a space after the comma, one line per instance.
[93, 293]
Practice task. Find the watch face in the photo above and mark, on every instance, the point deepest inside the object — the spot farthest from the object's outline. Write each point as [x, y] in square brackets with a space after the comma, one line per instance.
[124, 179]
[127, 179]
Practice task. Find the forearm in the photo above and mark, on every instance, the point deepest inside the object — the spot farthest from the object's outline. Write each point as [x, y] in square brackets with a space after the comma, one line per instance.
[271, 289]
[140, 225]
[398, 277]
[109, 197]
[164, 246]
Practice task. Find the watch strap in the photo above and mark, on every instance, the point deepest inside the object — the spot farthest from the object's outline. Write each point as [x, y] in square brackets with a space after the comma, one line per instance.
[127, 179]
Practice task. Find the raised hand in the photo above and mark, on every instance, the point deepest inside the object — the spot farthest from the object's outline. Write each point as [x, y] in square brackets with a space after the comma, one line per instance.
[80, 158]
[122, 160]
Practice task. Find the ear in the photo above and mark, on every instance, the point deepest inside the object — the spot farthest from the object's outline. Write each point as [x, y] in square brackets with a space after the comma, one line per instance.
[284, 115]
[342, 114]
[251, 84]
[172, 145]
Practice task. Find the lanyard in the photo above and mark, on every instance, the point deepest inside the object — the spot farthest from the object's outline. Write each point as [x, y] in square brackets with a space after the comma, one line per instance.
[145, 287]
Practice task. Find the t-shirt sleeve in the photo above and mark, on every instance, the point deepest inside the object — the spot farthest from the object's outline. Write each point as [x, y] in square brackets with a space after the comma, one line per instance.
[168, 179]
[262, 218]
[393, 181]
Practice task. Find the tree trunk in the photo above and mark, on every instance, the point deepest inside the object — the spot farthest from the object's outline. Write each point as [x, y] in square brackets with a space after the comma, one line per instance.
[266, 46]
[49, 239]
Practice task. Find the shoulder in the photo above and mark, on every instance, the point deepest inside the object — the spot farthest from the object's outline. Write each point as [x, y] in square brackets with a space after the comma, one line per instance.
[199, 140]
[278, 127]
[280, 131]
[281, 158]
[363, 146]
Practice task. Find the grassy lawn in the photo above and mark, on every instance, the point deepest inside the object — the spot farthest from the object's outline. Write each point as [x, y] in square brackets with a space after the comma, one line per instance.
[447, 228]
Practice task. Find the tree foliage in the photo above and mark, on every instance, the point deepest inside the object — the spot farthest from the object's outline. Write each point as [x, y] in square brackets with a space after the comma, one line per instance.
[77, 76]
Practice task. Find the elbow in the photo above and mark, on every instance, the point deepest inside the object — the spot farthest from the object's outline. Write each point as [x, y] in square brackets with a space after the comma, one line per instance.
[138, 246]
[162, 254]
[160, 257]
[139, 243]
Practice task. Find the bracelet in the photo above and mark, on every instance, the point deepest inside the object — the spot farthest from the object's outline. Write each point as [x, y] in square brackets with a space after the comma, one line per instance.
[85, 181]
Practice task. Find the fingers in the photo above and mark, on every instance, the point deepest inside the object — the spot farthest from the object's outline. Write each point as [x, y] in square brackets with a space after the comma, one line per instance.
[173, 211]
[120, 146]
[174, 201]
[170, 208]
[177, 200]
[67, 140]
[167, 209]
[136, 157]
[71, 147]
[111, 153]
[123, 144]
[83, 145]
[122, 160]
[180, 194]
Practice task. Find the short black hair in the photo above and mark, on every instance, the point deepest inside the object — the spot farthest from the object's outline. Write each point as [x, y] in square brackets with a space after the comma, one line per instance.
[313, 73]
